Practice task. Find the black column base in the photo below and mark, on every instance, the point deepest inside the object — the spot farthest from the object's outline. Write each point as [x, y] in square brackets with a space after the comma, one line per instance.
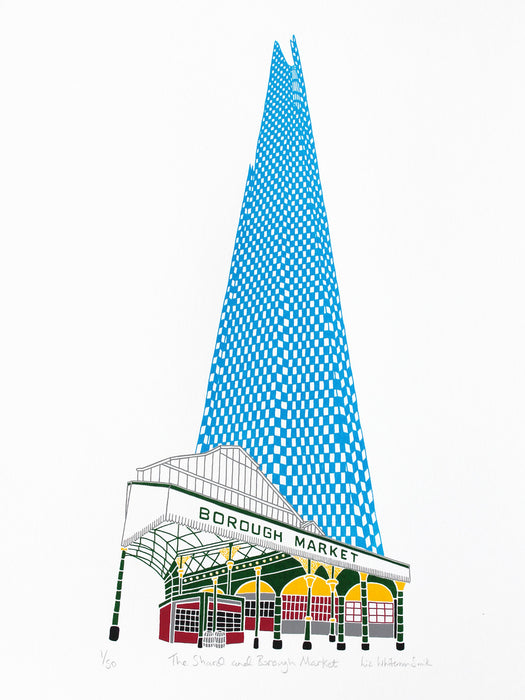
[277, 644]
[307, 645]
[199, 642]
[400, 646]
[256, 643]
[365, 646]
[341, 646]
[331, 637]
[114, 632]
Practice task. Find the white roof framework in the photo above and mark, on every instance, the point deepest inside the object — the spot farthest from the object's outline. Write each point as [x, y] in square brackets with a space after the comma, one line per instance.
[196, 505]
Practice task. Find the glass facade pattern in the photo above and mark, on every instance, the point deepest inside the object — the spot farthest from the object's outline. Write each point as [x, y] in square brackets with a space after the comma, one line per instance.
[281, 384]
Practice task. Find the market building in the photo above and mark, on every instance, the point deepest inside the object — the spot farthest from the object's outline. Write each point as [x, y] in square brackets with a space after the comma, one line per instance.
[271, 526]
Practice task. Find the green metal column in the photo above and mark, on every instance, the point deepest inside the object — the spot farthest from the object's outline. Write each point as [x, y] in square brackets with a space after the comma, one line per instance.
[203, 617]
[307, 644]
[229, 564]
[341, 645]
[277, 641]
[400, 639]
[114, 630]
[364, 613]
[332, 582]
[214, 617]
[257, 605]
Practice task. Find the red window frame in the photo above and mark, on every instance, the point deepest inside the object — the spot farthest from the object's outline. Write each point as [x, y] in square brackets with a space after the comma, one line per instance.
[321, 608]
[294, 607]
[380, 613]
[353, 612]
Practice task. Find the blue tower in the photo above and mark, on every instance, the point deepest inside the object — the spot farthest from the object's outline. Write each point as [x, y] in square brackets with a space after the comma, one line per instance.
[281, 384]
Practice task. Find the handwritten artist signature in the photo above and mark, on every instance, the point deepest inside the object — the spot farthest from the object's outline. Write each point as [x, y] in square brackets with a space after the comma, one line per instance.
[390, 662]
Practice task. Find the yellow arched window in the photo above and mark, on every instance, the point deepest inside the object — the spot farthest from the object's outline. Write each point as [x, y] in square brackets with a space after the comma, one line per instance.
[249, 587]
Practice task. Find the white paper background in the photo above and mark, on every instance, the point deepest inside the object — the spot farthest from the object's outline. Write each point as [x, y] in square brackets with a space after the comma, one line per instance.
[126, 130]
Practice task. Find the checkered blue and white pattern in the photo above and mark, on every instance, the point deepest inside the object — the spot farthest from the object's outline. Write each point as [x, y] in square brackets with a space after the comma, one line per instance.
[280, 384]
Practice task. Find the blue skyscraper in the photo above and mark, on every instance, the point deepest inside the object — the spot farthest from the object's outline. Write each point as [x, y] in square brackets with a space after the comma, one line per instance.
[280, 384]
